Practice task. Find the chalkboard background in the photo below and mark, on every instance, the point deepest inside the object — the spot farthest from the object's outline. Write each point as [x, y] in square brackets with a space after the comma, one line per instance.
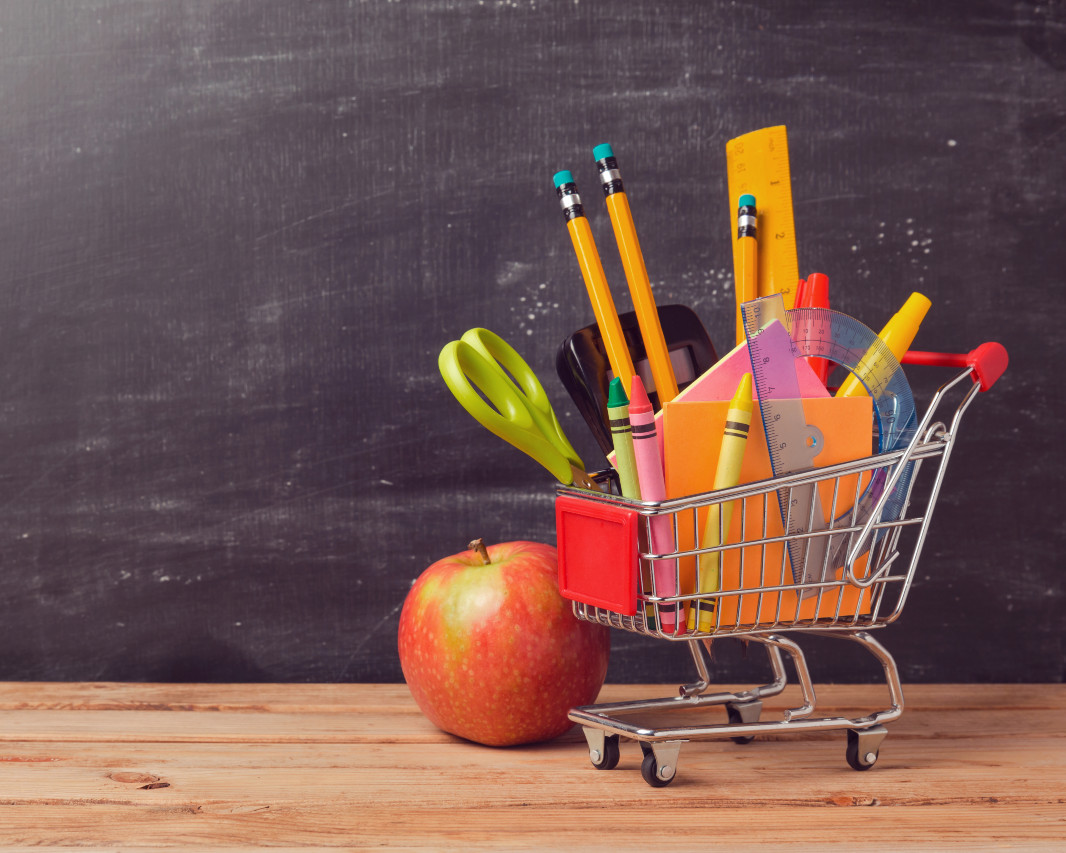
[234, 235]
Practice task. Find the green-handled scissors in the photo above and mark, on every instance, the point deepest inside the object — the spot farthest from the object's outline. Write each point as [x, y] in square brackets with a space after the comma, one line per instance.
[522, 415]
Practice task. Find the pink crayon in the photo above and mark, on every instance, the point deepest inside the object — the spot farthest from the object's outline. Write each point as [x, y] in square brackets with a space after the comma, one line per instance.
[653, 488]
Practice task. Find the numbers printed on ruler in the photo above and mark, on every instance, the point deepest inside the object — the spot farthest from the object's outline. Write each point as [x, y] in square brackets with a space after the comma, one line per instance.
[757, 163]
[792, 442]
[844, 340]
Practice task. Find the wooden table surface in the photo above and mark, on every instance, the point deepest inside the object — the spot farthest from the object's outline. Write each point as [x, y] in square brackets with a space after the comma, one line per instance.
[138, 766]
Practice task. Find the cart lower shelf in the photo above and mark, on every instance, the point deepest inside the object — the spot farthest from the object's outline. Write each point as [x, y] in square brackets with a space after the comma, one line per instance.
[605, 725]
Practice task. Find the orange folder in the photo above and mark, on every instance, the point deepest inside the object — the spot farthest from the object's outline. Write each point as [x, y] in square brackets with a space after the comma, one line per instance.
[692, 434]
[719, 382]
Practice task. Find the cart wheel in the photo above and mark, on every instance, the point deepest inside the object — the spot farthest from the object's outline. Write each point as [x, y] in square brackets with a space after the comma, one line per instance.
[654, 775]
[608, 758]
[748, 713]
[858, 758]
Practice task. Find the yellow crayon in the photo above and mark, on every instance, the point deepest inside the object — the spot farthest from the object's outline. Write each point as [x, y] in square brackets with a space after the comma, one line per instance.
[726, 475]
[588, 259]
[746, 258]
[897, 335]
[625, 234]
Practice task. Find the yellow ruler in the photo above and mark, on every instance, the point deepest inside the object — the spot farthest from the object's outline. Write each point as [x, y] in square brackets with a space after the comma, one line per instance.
[757, 163]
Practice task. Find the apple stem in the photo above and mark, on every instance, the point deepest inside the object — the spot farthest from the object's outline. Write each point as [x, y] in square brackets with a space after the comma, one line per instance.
[479, 546]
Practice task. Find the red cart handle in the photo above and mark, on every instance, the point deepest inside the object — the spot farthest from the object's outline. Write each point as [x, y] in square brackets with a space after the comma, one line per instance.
[988, 361]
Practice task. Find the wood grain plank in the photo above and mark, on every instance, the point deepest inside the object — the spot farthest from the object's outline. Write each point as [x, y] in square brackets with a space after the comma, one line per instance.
[983, 826]
[773, 773]
[254, 771]
[345, 698]
[409, 726]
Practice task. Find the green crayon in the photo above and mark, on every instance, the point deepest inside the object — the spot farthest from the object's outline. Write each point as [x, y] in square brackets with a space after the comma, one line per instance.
[622, 435]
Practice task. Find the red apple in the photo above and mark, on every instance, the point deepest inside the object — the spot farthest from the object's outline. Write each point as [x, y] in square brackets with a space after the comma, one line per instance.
[492, 652]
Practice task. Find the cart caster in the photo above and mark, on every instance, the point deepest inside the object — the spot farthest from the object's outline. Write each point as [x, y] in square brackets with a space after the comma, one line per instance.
[864, 746]
[603, 749]
[746, 713]
[659, 766]
[608, 758]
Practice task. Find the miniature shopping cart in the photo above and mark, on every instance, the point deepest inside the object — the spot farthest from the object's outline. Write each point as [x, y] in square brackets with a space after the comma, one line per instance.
[880, 508]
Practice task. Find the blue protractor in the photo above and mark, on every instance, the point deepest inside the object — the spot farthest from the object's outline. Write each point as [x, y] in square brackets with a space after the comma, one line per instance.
[846, 341]
[854, 346]
[840, 338]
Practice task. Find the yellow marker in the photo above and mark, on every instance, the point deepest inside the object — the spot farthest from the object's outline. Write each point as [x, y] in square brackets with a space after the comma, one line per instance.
[625, 234]
[595, 281]
[726, 475]
[757, 164]
[745, 259]
[897, 334]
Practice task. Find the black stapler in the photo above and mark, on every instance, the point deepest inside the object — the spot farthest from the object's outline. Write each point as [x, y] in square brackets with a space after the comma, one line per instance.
[586, 373]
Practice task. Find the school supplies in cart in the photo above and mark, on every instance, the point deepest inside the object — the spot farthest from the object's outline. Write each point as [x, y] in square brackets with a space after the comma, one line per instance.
[758, 597]
[822, 532]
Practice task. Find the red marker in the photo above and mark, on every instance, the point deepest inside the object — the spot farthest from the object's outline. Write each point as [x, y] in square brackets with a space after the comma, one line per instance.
[815, 294]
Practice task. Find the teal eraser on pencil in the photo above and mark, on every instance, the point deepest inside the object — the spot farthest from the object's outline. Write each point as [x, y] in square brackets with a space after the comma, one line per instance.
[602, 152]
[746, 200]
[563, 177]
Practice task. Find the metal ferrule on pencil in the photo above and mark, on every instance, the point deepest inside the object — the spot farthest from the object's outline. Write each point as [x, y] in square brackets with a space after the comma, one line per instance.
[570, 201]
[746, 222]
[610, 175]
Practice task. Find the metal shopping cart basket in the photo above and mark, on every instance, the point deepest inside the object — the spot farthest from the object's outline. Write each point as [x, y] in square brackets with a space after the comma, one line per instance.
[866, 557]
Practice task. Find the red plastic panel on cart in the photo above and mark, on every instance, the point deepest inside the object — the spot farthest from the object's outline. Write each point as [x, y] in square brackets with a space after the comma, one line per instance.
[597, 553]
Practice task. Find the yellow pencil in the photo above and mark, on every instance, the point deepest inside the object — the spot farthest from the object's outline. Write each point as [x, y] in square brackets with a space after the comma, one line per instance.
[726, 475]
[625, 234]
[745, 271]
[588, 259]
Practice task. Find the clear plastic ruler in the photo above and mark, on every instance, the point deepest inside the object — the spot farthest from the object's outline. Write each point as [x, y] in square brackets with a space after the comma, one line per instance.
[853, 345]
[792, 442]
